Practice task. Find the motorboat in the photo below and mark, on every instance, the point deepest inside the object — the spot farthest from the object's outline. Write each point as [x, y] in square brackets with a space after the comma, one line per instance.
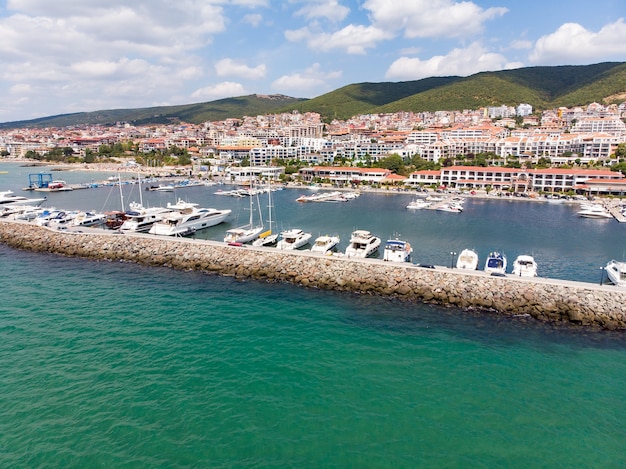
[335, 196]
[293, 239]
[140, 219]
[114, 219]
[362, 244]
[44, 218]
[185, 218]
[594, 211]
[496, 263]
[524, 266]
[89, 219]
[9, 198]
[418, 204]
[616, 272]
[397, 250]
[325, 244]
[62, 220]
[468, 259]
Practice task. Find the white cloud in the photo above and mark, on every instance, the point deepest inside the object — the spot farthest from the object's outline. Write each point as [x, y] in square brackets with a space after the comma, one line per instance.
[220, 90]
[328, 9]
[431, 18]
[230, 67]
[252, 19]
[463, 62]
[354, 39]
[303, 82]
[21, 89]
[574, 44]
[521, 44]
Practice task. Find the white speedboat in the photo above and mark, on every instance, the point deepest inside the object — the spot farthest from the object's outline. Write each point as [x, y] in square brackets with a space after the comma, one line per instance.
[468, 259]
[140, 219]
[89, 219]
[496, 264]
[9, 198]
[44, 218]
[185, 218]
[362, 244]
[397, 250]
[418, 204]
[452, 207]
[293, 239]
[325, 244]
[616, 271]
[594, 211]
[524, 266]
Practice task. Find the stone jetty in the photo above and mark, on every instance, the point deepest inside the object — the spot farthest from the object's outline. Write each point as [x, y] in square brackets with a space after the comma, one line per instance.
[548, 300]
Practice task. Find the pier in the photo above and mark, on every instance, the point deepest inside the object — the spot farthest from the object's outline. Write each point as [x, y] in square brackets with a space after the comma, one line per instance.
[548, 300]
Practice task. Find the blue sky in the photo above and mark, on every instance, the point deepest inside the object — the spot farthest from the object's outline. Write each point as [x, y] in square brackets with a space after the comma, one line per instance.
[84, 55]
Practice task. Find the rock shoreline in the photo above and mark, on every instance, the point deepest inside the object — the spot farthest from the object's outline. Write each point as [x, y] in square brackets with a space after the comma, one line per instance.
[543, 299]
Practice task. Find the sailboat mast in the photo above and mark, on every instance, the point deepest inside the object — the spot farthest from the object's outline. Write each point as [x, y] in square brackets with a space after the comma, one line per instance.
[119, 182]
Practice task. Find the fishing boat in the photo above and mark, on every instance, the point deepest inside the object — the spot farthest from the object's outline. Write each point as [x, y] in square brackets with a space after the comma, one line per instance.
[362, 244]
[468, 259]
[496, 263]
[397, 250]
[325, 244]
[185, 218]
[616, 272]
[293, 239]
[524, 266]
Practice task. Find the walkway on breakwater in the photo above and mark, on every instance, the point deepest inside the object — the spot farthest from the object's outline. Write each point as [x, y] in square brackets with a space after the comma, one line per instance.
[545, 299]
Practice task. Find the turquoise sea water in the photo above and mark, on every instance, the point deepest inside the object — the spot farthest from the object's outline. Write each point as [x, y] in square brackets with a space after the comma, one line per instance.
[117, 365]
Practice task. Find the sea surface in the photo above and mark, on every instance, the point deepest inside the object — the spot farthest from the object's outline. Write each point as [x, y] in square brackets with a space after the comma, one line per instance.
[118, 365]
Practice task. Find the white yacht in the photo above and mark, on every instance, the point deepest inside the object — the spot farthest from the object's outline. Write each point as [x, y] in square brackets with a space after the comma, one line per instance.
[397, 250]
[8, 198]
[594, 211]
[524, 266]
[325, 244]
[140, 219]
[362, 244]
[468, 259]
[293, 239]
[89, 219]
[496, 264]
[185, 218]
[616, 271]
[418, 204]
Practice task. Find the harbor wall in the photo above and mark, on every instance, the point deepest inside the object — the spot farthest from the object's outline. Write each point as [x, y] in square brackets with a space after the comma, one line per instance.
[544, 299]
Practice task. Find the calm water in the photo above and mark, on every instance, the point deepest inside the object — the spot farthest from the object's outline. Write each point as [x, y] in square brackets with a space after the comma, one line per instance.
[117, 365]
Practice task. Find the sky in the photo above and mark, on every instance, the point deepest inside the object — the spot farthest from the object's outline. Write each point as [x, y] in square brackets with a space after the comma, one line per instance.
[68, 56]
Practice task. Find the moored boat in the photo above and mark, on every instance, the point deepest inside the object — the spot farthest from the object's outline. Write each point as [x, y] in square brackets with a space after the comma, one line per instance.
[397, 250]
[140, 219]
[362, 244]
[616, 272]
[496, 263]
[293, 239]
[468, 259]
[594, 211]
[185, 218]
[325, 244]
[524, 266]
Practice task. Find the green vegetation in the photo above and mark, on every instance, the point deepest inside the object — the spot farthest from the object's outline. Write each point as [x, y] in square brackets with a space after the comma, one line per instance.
[541, 87]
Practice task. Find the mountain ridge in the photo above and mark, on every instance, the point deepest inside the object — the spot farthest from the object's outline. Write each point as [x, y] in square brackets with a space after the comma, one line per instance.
[543, 87]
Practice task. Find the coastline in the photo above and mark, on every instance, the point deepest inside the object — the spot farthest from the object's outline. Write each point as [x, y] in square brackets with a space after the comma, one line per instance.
[548, 300]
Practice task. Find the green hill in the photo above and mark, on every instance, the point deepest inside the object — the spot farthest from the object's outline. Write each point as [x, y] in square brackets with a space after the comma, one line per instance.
[192, 113]
[541, 87]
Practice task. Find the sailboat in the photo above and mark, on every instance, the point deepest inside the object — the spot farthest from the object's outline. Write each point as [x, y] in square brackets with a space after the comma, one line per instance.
[249, 232]
[267, 238]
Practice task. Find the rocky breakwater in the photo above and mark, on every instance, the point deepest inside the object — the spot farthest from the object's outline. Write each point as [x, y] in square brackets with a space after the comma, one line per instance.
[543, 299]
